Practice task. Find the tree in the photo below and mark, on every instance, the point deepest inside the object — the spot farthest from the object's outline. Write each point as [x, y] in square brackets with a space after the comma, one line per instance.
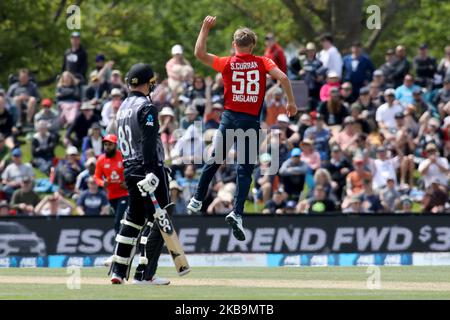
[34, 34]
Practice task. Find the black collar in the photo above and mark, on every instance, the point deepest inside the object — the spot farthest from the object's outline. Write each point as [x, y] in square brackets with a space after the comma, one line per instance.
[136, 94]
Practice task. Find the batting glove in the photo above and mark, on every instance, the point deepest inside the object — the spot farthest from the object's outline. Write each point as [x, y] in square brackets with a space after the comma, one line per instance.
[148, 185]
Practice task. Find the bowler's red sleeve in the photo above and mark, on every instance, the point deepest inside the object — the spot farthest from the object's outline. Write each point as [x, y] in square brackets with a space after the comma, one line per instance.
[268, 64]
[219, 63]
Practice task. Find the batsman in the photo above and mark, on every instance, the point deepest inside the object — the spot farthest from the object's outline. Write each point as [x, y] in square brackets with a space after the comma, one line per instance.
[145, 176]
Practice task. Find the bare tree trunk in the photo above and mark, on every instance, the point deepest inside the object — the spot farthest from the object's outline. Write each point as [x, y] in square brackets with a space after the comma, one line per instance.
[346, 22]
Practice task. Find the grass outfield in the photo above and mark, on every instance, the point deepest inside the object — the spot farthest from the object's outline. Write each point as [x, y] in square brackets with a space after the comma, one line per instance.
[235, 283]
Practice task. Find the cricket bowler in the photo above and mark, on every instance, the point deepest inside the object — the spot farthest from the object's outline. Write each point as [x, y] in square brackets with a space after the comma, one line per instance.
[145, 174]
[244, 77]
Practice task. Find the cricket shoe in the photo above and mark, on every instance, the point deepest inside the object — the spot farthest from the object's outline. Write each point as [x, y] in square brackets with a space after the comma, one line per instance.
[155, 281]
[194, 206]
[235, 221]
[116, 279]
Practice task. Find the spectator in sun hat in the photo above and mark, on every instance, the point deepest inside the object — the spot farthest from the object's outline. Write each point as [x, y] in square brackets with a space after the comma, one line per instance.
[179, 70]
[168, 125]
[430, 133]
[385, 115]
[354, 205]
[76, 58]
[436, 197]
[311, 72]
[263, 179]
[292, 173]
[190, 116]
[425, 67]
[283, 124]
[111, 107]
[332, 82]
[434, 167]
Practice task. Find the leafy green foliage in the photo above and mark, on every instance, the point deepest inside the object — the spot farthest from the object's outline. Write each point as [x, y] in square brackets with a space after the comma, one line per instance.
[34, 35]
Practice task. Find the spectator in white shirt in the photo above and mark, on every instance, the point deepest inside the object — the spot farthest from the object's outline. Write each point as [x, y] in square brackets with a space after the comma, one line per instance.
[384, 168]
[434, 168]
[385, 114]
[15, 172]
[111, 107]
[330, 56]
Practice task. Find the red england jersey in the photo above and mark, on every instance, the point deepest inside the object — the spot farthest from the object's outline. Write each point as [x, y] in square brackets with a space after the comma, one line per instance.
[112, 170]
[244, 79]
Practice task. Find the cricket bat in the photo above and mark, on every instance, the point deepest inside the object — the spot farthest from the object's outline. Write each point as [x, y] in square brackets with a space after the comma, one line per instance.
[170, 237]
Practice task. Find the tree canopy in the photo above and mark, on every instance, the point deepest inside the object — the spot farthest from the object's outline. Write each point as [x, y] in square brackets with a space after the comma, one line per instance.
[34, 34]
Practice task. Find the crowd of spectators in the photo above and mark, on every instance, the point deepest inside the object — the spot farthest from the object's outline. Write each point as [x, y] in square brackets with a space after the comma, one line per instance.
[369, 138]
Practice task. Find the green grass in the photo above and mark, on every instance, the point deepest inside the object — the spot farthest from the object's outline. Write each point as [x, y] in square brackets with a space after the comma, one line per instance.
[414, 282]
